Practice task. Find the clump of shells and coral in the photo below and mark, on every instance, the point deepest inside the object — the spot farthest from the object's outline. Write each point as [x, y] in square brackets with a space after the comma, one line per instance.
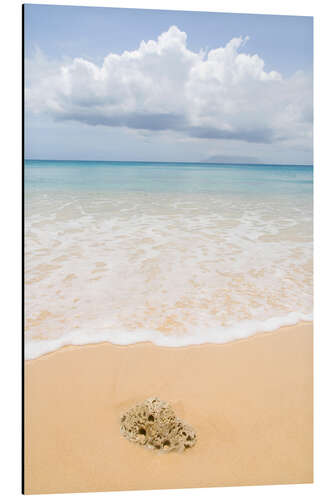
[154, 424]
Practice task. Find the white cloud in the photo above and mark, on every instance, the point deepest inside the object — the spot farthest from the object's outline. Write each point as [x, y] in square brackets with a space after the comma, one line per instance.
[222, 94]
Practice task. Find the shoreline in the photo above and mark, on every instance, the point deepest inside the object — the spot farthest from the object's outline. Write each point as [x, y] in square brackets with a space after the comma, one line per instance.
[249, 399]
[180, 346]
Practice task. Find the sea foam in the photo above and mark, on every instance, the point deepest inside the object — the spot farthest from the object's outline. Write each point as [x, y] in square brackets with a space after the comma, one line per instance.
[171, 268]
[37, 348]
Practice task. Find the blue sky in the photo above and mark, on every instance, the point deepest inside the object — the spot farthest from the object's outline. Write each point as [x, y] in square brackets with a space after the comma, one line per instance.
[250, 100]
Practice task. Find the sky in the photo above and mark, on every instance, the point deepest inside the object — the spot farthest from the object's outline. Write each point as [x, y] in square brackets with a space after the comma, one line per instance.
[145, 85]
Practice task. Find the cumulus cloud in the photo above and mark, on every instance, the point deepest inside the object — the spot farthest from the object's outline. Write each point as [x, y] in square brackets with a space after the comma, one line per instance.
[221, 94]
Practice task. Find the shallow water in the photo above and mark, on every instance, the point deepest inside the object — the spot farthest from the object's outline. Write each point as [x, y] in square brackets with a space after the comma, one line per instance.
[173, 253]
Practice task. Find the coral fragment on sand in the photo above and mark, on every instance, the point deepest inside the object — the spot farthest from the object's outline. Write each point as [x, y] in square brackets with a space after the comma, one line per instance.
[154, 424]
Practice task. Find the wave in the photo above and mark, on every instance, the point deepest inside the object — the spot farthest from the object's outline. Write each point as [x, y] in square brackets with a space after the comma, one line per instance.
[220, 335]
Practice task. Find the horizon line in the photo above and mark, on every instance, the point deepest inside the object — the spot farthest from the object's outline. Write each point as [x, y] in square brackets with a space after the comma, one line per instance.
[187, 162]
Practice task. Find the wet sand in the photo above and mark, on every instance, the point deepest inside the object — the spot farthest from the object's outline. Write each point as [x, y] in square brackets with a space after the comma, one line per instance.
[250, 402]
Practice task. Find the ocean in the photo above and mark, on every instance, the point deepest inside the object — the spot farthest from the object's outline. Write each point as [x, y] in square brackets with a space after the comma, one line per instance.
[173, 253]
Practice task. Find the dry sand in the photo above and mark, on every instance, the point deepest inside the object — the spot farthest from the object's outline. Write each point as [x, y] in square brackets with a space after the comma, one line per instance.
[250, 402]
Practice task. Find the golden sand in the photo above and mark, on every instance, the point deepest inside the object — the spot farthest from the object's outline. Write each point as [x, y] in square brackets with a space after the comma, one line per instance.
[250, 402]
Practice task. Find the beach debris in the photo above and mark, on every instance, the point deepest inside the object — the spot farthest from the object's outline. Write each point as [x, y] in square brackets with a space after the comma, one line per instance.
[154, 424]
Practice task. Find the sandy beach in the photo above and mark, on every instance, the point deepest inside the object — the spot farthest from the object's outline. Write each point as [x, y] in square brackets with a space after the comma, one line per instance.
[250, 402]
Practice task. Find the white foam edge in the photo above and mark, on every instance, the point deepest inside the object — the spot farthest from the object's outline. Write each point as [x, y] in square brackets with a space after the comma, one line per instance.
[221, 335]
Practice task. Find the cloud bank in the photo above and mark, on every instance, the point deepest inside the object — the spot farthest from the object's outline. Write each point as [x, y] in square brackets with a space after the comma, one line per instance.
[224, 93]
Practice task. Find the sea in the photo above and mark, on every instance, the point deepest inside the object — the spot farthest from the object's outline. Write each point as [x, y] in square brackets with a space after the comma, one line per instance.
[176, 254]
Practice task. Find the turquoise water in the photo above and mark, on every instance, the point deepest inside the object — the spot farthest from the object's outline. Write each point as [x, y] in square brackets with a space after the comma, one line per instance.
[169, 177]
[172, 253]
